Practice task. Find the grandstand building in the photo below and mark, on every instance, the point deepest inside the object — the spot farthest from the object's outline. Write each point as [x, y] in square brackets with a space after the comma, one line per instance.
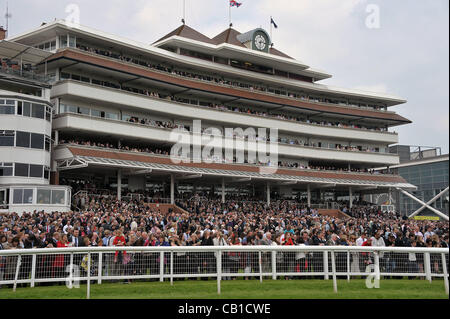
[116, 102]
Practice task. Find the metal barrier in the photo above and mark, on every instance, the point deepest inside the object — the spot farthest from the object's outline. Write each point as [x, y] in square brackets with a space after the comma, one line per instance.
[74, 265]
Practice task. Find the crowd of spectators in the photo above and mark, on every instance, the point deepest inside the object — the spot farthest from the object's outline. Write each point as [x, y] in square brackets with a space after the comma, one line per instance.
[203, 222]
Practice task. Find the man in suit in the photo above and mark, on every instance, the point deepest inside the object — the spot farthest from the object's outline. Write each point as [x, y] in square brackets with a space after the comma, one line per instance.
[76, 239]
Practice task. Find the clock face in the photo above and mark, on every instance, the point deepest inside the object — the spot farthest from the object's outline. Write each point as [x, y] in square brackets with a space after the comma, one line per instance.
[260, 42]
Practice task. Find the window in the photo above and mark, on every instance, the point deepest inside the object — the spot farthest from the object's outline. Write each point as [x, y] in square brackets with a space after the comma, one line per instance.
[63, 41]
[47, 173]
[48, 113]
[38, 111]
[36, 171]
[23, 196]
[112, 116]
[72, 41]
[84, 111]
[7, 109]
[28, 196]
[18, 196]
[97, 113]
[47, 143]
[26, 109]
[21, 170]
[7, 138]
[43, 196]
[6, 169]
[58, 197]
[22, 139]
[65, 76]
[37, 141]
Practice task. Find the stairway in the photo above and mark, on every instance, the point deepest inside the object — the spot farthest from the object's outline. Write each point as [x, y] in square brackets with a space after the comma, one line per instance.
[333, 213]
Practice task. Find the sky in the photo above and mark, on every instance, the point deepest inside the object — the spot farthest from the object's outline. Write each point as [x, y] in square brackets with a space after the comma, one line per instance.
[398, 47]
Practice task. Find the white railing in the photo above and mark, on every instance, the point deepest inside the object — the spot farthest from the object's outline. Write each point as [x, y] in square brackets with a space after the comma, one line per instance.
[74, 265]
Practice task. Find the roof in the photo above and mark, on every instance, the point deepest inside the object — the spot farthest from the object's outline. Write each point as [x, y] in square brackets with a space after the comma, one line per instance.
[422, 161]
[228, 36]
[187, 32]
[96, 157]
[14, 50]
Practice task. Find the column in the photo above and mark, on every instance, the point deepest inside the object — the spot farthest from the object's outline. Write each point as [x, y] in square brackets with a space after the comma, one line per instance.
[119, 185]
[56, 142]
[308, 189]
[350, 197]
[172, 189]
[268, 193]
[223, 190]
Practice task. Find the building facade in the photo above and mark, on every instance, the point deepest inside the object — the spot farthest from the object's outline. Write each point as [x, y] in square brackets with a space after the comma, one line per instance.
[120, 107]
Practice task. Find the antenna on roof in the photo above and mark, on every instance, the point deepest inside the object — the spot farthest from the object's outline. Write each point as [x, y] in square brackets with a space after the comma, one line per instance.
[7, 17]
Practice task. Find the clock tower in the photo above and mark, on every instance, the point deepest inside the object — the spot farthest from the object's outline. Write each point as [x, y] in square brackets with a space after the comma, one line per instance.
[257, 40]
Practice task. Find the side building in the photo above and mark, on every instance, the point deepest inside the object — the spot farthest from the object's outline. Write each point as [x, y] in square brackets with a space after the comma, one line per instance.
[25, 134]
[426, 168]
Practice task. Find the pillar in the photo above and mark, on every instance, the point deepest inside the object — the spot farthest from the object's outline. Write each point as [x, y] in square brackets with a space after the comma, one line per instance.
[350, 197]
[172, 189]
[56, 138]
[119, 185]
[268, 193]
[223, 190]
[308, 190]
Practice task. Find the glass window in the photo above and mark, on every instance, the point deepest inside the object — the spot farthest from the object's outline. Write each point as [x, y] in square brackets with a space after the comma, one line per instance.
[47, 143]
[72, 41]
[63, 41]
[7, 109]
[43, 196]
[38, 111]
[65, 76]
[84, 111]
[112, 116]
[28, 196]
[46, 172]
[23, 139]
[7, 138]
[6, 169]
[58, 197]
[26, 109]
[36, 171]
[53, 45]
[18, 196]
[48, 113]
[19, 108]
[37, 141]
[21, 170]
[97, 113]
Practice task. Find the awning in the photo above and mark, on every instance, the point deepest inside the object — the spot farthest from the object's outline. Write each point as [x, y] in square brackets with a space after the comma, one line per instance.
[85, 161]
[27, 54]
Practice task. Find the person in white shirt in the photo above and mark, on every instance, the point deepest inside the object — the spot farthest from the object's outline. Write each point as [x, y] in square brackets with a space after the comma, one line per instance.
[361, 240]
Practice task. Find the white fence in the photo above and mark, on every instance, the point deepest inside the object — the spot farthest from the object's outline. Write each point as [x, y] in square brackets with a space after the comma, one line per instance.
[99, 264]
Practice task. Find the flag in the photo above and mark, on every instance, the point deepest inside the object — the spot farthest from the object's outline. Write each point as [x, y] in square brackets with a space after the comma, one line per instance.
[274, 24]
[234, 3]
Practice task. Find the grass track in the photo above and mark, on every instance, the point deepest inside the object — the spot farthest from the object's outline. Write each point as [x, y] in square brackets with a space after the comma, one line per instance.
[239, 289]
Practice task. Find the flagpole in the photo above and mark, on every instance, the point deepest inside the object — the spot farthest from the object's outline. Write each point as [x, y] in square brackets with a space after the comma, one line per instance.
[271, 38]
[229, 9]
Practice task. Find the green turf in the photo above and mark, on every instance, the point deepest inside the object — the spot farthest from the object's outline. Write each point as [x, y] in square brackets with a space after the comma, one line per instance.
[239, 289]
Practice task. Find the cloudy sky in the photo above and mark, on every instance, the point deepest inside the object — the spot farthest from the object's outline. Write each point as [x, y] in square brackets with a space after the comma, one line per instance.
[407, 55]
